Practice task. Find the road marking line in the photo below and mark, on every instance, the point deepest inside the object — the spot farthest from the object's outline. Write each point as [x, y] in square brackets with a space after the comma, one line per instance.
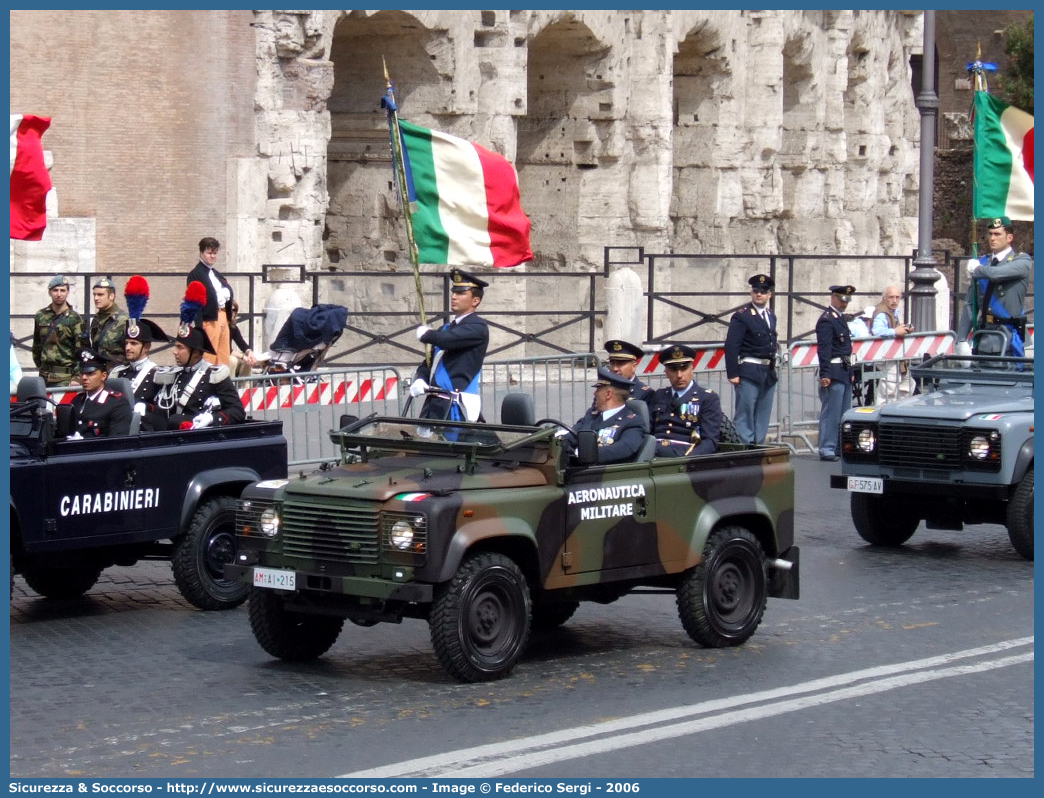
[445, 764]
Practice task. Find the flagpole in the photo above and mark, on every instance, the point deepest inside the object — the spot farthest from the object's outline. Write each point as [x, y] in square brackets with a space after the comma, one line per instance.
[978, 70]
[404, 197]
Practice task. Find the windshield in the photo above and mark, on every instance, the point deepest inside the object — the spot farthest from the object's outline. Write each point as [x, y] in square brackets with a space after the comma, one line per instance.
[976, 368]
[448, 437]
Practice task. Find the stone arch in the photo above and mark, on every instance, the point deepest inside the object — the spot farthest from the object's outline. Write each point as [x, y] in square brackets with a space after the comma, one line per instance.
[569, 119]
[363, 220]
[701, 102]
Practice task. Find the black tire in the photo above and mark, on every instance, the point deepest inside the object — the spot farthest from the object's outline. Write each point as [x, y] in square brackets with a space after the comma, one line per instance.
[479, 620]
[882, 522]
[553, 614]
[60, 583]
[1020, 516]
[722, 600]
[286, 635]
[727, 433]
[201, 553]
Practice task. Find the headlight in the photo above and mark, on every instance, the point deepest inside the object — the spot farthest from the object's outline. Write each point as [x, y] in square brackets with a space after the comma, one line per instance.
[980, 447]
[402, 534]
[866, 441]
[268, 523]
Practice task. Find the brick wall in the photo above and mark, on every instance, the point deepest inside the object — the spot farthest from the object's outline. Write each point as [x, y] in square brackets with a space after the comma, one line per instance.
[147, 107]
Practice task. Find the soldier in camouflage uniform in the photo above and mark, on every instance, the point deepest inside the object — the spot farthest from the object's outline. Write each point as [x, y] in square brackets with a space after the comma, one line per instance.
[56, 336]
[109, 325]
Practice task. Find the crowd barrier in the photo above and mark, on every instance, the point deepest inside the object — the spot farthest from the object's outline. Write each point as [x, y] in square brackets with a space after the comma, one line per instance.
[310, 404]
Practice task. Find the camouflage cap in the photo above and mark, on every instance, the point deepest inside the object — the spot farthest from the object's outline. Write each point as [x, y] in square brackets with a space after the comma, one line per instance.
[762, 281]
[465, 281]
[607, 379]
[622, 350]
[57, 280]
[677, 353]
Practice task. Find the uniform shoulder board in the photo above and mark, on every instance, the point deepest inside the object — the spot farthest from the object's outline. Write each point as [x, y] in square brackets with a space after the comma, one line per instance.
[219, 373]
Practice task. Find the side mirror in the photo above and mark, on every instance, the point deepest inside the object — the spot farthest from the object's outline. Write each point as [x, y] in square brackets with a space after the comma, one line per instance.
[345, 420]
[587, 447]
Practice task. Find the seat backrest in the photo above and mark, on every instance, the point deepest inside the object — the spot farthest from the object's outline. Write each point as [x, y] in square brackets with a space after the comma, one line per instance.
[648, 450]
[640, 409]
[516, 409]
[124, 386]
[31, 388]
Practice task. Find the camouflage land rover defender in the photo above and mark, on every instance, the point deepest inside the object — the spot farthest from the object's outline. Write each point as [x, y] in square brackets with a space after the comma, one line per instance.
[485, 530]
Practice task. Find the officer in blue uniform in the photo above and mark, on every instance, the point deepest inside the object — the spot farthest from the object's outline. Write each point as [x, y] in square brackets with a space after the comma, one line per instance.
[751, 345]
[620, 431]
[834, 345]
[686, 419]
[458, 350]
[623, 361]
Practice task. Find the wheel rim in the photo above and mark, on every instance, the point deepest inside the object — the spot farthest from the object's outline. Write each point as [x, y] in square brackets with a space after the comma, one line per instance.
[221, 550]
[494, 625]
[734, 592]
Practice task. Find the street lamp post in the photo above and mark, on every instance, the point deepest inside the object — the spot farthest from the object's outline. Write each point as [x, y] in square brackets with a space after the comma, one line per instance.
[924, 274]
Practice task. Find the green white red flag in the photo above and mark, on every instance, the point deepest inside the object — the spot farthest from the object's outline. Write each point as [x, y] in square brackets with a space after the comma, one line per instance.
[1003, 160]
[465, 203]
[30, 180]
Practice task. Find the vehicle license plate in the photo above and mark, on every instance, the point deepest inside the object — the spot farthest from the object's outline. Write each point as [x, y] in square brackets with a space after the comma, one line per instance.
[865, 485]
[275, 579]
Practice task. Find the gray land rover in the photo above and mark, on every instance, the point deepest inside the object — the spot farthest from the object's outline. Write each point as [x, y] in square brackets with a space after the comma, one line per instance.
[960, 452]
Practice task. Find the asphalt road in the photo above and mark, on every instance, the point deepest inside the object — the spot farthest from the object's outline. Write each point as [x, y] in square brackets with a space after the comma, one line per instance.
[915, 662]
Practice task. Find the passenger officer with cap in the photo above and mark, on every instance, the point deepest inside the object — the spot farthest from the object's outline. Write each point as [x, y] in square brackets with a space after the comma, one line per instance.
[459, 348]
[57, 330]
[98, 412]
[142, 371]
[620, 431]
[197, 394]
[834, 345]
[109, 322]
[623, 361]
[686, 419]
[751, 345]
[997, 293]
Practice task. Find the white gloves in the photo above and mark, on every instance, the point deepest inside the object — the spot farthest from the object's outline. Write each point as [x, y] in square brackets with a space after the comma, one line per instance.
[963, 349]
[139, 408]
[970, 266]
[423, 328]
[204, 419]
[418, 388]
[76, 436]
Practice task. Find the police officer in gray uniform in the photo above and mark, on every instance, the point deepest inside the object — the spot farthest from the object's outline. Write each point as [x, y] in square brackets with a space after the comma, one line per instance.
[750, 360]
[834, 344]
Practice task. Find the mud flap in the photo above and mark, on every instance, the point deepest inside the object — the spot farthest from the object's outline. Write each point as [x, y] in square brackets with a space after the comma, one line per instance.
[785, 583]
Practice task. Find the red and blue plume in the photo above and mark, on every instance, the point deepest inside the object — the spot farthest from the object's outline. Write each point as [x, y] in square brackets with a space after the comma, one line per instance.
[192, 304]
[136, 294]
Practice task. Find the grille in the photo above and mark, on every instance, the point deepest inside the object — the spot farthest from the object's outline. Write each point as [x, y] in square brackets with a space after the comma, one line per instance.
[920, 446]
[337, 532]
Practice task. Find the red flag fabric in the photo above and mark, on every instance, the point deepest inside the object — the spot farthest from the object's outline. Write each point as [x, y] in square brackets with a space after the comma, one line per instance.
[30, 180]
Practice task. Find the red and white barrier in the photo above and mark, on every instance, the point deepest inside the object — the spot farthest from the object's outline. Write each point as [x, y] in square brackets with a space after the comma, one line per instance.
[330, 390]
[709, 357]
[875, 350]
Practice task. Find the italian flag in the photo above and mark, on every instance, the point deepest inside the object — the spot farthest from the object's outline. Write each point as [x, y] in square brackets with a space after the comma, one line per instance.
[464, 201]
[1003, 160]
[30, 180]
